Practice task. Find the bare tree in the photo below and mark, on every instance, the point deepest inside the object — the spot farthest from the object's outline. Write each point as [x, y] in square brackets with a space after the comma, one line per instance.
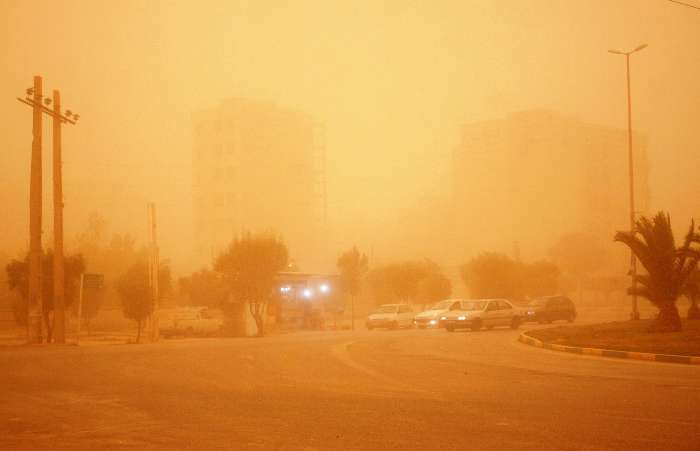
[352, 266]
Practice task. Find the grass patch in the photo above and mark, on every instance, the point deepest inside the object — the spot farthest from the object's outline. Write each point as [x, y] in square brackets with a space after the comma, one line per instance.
[625, 336]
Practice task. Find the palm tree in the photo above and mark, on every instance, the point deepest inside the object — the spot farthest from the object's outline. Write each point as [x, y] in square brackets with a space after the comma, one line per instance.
[692, 292]
[668, 268]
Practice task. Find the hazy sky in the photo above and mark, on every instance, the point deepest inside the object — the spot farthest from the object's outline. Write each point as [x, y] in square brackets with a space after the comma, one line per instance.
[391, 80]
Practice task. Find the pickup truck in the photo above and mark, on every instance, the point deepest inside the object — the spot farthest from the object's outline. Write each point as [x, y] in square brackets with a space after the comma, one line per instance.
[189, 321]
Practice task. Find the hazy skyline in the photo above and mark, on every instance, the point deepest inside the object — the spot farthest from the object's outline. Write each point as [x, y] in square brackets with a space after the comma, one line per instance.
[391, 81]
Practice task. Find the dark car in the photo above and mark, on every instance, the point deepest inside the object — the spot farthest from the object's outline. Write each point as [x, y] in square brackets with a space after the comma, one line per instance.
[551, 308]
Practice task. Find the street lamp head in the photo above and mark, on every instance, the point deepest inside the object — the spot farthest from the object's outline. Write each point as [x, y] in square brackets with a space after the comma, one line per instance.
[617, 52]
[641, 47]
[47, 101]
[30, 92]
[76, 117]
[69, 113]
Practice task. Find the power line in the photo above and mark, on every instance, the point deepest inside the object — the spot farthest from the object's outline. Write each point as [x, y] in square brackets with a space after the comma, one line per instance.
[685, 4]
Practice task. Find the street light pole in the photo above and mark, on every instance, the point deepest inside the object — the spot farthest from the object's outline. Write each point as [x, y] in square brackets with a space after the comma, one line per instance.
[633, 260]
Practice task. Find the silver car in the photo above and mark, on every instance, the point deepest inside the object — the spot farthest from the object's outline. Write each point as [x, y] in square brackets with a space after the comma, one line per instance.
[431, 317]
[482, 313]
[391, 316]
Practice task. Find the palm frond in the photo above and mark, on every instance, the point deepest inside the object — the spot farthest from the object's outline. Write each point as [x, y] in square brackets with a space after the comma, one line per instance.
[643, 279]
[683, 251]
[638, 247]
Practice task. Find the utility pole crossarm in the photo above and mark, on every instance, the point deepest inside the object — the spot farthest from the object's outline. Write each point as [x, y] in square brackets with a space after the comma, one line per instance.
[48, 111]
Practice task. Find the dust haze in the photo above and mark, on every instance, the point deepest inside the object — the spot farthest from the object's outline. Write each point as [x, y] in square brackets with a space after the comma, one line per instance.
[357, 225]
[394, 84]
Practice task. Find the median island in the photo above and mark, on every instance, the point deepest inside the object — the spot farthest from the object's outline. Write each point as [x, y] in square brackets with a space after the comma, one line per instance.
[670, 271]
[632, 336]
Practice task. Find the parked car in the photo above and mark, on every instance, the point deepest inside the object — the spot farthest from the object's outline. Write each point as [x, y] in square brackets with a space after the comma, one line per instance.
[189, 321]
[391, 316]
[431, 317]
[482, 313]
[551, 308]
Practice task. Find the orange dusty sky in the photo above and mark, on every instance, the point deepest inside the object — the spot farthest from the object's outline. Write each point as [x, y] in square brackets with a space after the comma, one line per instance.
[391, 80]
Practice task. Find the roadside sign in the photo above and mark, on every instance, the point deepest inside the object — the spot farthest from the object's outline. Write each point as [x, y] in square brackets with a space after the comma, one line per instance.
[93, 280]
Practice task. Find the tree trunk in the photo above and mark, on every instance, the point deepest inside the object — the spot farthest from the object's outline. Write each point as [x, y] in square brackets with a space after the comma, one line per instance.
[668, 320]
[693, 311]
[352, 312]
[49, 329]
[138, 331]
[257, 310]
[259, 324]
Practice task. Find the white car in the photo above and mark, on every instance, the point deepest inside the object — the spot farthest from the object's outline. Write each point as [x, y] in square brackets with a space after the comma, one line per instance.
[482, 313]
[391, 316]
[431, 317]
[189, 321]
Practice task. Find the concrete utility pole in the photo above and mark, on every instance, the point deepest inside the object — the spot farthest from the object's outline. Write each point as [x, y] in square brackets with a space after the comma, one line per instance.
[633, 260]
[34, 310]
[59, 315]
[34, 320]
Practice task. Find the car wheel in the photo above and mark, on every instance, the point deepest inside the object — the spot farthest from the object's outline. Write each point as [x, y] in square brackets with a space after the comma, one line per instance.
[450, 328]
[515, 322]
[476, 325]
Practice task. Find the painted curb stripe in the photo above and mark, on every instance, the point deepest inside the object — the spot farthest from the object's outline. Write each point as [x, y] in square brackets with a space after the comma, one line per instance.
[672, 358]
[668, 358]
[613, 353]
[641, 356]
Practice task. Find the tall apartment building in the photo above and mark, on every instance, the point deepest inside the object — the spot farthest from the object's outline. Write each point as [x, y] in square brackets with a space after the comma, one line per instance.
[257, 168]
[522, 181]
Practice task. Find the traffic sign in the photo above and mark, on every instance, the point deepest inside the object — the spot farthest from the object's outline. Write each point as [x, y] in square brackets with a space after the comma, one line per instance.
[96, 281]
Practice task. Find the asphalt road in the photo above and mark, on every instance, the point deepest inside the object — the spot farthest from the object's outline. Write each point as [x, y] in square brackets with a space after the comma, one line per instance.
[398, 390]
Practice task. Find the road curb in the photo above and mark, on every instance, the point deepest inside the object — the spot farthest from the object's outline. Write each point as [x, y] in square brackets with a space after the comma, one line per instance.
[667, 358]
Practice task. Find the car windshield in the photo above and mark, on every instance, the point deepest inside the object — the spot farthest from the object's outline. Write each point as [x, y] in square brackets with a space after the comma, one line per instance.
[473, 305]
[537, 302]
[386, 309]
[442, 305]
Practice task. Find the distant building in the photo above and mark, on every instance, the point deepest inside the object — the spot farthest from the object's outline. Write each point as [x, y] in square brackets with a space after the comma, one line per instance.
[522, 181]
[258, 167]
